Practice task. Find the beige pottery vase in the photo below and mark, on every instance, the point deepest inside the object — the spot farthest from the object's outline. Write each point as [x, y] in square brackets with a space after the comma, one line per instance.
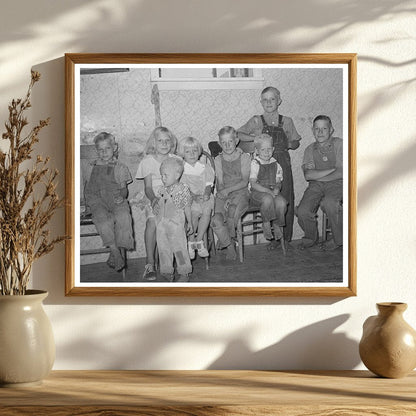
[388, 345]
[27, 347]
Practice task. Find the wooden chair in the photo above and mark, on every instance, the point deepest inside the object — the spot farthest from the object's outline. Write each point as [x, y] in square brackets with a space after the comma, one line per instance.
[254, 225]
[326, 229]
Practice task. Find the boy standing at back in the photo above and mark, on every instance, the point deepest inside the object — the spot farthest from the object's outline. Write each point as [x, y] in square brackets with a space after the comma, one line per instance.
[285, 138]
[232, 171]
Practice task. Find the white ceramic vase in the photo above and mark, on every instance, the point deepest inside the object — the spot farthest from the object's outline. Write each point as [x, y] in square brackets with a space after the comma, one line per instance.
[27, 346]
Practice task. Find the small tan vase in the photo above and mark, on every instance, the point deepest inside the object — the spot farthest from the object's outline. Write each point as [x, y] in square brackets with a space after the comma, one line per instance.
[27, 347]
[388, 345]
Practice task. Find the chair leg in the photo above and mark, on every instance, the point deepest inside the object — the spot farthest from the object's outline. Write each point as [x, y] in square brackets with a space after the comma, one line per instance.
[240, 240]
[211, 241]
[324, 227]
[156, 259]
[124, 255]
[283, 242]
[208, 248]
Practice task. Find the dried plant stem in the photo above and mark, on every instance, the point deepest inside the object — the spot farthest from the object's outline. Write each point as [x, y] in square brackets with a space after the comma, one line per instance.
[23, 217]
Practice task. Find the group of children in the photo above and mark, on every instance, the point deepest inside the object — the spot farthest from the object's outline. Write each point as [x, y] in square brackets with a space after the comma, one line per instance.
[180, 191]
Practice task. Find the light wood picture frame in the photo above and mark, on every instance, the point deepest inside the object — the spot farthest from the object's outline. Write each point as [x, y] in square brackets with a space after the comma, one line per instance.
[128, 95]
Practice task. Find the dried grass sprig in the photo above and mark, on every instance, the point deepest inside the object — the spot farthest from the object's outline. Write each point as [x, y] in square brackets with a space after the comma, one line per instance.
[28, 199]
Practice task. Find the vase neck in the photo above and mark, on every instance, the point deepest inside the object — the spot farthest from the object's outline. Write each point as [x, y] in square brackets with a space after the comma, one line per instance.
[390, 308]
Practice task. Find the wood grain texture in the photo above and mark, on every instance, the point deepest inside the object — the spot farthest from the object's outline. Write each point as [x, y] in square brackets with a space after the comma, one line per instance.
[245, 393]
[214, 58]
[207, 291]
[352, 178]
[69, 173]
[209, 411]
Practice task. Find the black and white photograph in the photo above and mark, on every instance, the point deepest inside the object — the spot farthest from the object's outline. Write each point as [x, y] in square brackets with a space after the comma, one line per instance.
[202, 175]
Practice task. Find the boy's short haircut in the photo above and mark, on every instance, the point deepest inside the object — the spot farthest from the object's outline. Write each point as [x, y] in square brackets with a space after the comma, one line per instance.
[188, 142]
[261, 138]
[322, 117]
[104, 136]
[271, 89]
[227, 130]
[150, 147]
[173, 163]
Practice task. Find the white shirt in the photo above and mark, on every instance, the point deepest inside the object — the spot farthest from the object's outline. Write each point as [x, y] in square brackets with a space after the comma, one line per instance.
[255, 167]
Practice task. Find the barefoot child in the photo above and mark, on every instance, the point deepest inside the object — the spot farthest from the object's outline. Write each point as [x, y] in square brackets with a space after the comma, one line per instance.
[105, 194]
[200, 179]
[232, 170]
[160, 146]
[174, 208]
[266, 177]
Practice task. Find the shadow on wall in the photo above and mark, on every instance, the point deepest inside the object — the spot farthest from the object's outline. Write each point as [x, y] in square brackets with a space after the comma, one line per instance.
[314, 347]
[126, 348]
[77, 26]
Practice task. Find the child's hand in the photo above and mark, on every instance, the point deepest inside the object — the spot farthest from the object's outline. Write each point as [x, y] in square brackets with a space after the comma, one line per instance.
[206, 197]
[117, 197]
[189, 229]
[223, 194]
[198, 198]
[276, 191]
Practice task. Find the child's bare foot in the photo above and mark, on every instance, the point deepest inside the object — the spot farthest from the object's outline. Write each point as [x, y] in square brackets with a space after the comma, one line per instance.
[278, 232]
[183, 278]
[110, 261]
[231, 253]
[119, 262]
[170, 277]
[273, 245]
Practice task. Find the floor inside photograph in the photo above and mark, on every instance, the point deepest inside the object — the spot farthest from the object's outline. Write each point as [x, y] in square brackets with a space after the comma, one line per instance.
[260, 265]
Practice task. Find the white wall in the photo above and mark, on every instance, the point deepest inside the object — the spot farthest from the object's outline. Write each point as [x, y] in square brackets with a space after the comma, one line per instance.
[198, 333]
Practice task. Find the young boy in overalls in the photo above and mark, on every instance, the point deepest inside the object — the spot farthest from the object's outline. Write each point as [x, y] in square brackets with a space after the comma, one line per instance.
[173, 209]
[232, 170]
[285, 137]
[266, 177]
[105, 194]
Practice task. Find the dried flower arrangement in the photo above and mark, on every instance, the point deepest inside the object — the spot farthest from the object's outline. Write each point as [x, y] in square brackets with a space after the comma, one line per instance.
[28, 199]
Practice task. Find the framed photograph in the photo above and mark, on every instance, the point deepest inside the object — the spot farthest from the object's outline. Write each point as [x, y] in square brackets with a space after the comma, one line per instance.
[211, 174]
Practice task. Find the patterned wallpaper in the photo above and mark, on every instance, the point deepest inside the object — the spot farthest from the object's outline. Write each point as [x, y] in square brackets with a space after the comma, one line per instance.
[120, 103]
[202, 113]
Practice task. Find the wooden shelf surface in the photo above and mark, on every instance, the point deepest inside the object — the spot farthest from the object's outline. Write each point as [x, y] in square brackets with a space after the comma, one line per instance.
[202, 393]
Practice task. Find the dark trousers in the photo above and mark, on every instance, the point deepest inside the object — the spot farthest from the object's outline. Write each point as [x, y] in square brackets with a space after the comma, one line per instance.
[328, 196]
